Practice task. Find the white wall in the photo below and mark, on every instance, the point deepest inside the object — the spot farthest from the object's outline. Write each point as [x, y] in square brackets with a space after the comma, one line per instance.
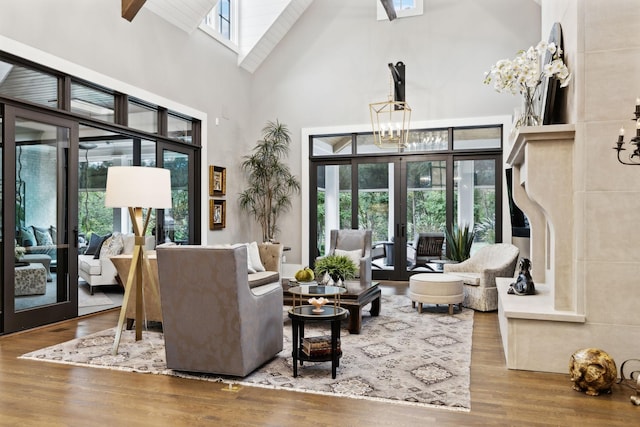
[333, 63]
[325, 72]
[149, 58]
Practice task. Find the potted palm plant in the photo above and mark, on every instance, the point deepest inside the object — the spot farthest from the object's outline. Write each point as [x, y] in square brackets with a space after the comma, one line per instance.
[271, 183]
[338, 267]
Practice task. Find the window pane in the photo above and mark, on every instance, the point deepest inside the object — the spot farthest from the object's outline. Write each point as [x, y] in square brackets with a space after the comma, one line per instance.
[428, 140]
[28, 84]
[374, 210]
[92, 102]
[179, 128]
[143, 117]
[366, 145]
[334, 202]
[475, 199]
[331, 145]
[477, 138]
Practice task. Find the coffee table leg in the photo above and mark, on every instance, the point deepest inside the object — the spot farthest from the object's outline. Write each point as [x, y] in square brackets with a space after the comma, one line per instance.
[295, 341]
[375, 305]
[335, 336]
[355, 319]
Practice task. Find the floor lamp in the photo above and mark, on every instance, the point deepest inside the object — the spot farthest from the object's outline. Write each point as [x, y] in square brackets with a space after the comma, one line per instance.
[135, 187]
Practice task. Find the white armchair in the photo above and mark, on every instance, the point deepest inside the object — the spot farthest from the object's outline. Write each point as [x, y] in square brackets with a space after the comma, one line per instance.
[479, 274]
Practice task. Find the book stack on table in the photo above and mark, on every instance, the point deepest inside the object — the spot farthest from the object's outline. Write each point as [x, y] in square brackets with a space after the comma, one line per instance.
[318, 346]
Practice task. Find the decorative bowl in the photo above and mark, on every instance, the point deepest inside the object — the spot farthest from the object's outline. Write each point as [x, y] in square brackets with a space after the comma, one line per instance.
[318, 303]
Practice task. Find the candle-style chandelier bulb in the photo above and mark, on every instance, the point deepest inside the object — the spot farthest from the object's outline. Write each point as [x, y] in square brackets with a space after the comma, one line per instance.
[635, 141]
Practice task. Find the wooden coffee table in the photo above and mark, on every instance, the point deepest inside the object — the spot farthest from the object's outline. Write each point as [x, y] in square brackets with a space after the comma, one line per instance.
[356, 297]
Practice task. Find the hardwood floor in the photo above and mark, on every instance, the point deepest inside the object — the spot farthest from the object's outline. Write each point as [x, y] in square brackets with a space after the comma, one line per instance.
[47, 394]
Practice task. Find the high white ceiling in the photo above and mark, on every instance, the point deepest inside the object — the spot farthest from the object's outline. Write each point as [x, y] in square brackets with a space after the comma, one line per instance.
[263, 23]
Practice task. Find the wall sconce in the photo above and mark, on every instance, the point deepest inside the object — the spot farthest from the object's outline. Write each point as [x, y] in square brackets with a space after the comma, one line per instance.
[634, 141]
[390, 119]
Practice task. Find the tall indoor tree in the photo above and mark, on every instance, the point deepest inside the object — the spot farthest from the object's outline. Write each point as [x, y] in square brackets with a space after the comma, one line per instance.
[271, 183]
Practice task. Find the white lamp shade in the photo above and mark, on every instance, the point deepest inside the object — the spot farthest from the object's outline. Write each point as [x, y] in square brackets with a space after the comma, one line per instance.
[138, 187]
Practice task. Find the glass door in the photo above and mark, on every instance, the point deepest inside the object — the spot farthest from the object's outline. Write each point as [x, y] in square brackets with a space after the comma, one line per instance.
[40, 245]
[178, 225]
[475, 204]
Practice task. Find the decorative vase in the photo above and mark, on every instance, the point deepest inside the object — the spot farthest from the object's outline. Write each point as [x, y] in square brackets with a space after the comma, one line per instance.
[530, 115]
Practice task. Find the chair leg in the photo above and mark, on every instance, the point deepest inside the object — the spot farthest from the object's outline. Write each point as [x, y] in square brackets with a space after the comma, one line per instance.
[450, 309]
[419, 307]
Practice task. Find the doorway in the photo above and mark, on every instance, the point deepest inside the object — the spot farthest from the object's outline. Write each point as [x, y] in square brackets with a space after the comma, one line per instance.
[400, 197]
[43, 265]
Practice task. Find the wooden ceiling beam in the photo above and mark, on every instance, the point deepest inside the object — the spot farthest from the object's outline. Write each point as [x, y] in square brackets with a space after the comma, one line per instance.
[130, 8]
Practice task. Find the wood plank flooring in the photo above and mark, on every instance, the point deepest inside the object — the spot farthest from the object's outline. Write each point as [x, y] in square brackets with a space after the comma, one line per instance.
[45, 394]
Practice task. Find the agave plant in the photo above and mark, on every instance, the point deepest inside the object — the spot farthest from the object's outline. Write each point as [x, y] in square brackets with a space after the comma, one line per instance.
[459, 242]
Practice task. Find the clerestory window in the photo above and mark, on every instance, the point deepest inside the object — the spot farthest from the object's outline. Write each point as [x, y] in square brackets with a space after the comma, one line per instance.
[221, 22]
[403, 8]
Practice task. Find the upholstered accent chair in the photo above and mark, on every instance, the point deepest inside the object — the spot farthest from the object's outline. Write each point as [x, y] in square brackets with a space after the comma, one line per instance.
[356, 244]
[426, 247]
[479, 274]
[212, 320]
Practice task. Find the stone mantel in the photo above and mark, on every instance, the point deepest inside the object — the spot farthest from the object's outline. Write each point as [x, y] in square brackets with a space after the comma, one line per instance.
[549, 134]
[542, 162]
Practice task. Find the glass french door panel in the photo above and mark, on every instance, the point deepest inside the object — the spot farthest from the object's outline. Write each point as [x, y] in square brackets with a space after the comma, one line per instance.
[426, 208]
[333, 201]
[176, 219]
[375, 209]
[474, 201]
[41, 276]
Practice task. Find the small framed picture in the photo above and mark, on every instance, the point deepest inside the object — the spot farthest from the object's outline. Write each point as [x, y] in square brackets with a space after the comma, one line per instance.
[217, 214]
[217, 181]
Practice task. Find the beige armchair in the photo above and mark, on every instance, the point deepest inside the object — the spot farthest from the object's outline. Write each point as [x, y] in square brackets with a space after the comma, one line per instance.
[479, 274]
[349, 242]
[212, 321]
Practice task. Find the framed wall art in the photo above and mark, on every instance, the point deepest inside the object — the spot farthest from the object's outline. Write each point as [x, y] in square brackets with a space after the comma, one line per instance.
[217, 214]
[217, 181]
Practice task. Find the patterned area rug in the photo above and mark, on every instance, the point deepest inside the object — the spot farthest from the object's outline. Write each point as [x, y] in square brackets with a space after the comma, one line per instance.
[400, 356]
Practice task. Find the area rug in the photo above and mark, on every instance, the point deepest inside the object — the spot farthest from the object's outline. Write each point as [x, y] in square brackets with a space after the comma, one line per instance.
[400, 356]
[85, 299]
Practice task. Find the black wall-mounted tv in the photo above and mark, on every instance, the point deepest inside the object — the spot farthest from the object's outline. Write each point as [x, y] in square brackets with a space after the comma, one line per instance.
[519, 221]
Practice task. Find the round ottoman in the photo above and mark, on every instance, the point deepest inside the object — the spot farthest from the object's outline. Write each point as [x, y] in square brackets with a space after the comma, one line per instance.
[436, 289]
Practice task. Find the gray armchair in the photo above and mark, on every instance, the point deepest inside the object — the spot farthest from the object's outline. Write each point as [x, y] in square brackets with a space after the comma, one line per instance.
[212, 321]
[479, 273]
[350, 241]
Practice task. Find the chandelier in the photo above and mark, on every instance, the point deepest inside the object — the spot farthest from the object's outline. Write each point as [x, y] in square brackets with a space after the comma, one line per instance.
[390, 119]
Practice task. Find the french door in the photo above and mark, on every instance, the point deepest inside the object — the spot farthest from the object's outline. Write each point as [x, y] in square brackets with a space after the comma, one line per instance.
[399, 197]
[179, 223]
[40, 258]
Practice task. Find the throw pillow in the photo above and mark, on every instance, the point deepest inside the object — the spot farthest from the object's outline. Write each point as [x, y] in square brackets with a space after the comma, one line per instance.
[43, 237]
[27, 237]
[250, 268]
[253, 253]
[95, 243]
[353, 255]
[112, 246]
[54, 234]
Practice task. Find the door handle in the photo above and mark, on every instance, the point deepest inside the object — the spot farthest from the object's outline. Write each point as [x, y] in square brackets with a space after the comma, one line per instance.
[75, 237]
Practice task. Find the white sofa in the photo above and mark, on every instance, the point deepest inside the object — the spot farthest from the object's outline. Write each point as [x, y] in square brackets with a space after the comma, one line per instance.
[101, 271]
